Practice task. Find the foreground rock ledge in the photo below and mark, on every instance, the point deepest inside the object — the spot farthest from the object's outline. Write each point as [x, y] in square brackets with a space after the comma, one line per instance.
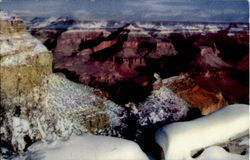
[221, 126]
[86, 147]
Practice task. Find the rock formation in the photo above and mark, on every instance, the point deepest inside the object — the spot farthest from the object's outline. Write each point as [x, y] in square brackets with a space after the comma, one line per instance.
[197, 97]
[116, 56]
[39, 105]
[87, 147]
[154, 73]
[25, 62]
[182, 140]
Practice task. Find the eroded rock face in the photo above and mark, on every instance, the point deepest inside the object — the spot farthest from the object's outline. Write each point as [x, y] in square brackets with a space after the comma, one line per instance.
[115, 56]
[39, 105]
[75, 109]
[197, 97]
[25, 62]
[10, 23]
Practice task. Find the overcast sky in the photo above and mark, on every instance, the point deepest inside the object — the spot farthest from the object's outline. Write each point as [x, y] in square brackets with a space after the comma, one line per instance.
[133, 10]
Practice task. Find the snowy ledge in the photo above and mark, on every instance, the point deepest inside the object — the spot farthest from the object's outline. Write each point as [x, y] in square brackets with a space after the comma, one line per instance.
[86, 147]
[179, 139]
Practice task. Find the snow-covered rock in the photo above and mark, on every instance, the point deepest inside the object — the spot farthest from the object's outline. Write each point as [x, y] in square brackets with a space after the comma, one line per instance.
[86, 147]
[161, 106]
[58, 108]
[11, 24]
[74, 108]
[24, 63]
[218, 153]
[179, 140]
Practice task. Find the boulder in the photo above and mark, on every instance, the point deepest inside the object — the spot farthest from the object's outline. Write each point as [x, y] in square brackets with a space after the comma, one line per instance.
[218, 153]
[179, 140]
[86, 147]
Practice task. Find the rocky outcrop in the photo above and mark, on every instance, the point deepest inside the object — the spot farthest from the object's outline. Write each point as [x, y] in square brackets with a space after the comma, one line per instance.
[197, 97]
[161, 107]
[10, 23]
[39, 105]
[25, 62]
[75, 109]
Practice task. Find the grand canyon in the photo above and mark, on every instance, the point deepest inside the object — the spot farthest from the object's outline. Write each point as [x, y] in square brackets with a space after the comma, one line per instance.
[142, 88]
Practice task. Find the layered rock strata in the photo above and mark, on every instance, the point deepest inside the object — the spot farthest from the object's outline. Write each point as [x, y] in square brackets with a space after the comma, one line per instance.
[191, 92]
[25, 62]
[117, 57]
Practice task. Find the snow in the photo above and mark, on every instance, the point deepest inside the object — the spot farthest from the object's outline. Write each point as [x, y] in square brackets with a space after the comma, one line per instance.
[162, 105]
[4, 15]
[245, 141]
[71, 105]
[5, 47]
[179, 139]
[86, 147]
[18, 59]
[132, 27]
[145, 25]
[89, 25]
[21, 127]
[212, 28]
[218, 153]
[231, 34]
[236, 29]
[16, 48]
[46, 22]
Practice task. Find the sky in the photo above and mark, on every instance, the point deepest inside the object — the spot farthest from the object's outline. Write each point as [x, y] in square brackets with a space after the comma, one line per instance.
[133, 10]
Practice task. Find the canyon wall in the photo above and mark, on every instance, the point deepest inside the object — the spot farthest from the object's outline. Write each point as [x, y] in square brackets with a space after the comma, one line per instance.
[120, 57]
[143, 76]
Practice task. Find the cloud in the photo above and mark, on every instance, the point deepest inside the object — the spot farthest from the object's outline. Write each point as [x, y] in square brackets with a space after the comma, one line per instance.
[151, 10]
[127, 12]
[151, 4]
[80, 13]
[28, 13]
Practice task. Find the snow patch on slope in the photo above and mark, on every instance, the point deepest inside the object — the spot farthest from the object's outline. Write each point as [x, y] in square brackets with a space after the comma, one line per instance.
[162, 105]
